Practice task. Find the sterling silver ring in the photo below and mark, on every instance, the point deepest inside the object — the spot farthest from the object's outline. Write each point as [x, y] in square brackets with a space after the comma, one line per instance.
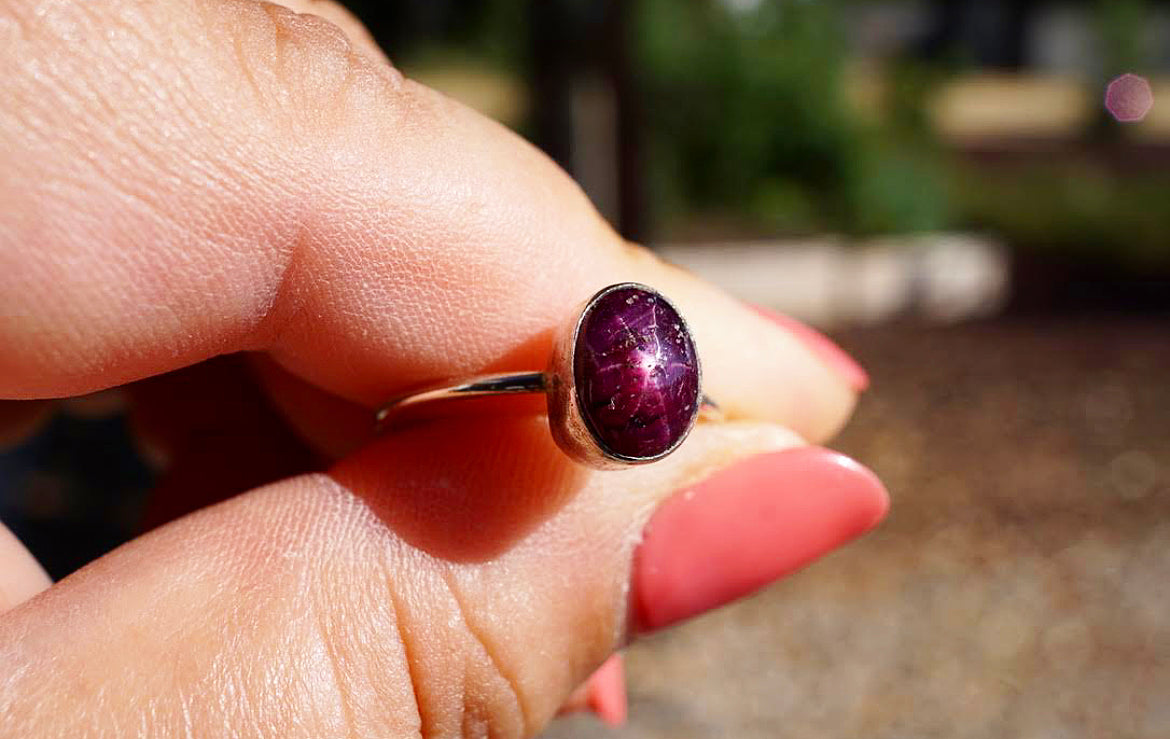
[624, 382]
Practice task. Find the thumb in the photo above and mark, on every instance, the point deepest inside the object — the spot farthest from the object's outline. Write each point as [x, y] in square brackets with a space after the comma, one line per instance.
[456, 579]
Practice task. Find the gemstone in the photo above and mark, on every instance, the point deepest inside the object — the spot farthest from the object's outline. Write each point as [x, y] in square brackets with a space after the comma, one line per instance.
[637, 373]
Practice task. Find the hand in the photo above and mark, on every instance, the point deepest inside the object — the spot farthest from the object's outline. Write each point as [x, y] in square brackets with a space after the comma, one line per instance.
[188, 179]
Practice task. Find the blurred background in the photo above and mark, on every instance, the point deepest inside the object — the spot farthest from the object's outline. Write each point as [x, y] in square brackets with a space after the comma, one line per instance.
[973, 197]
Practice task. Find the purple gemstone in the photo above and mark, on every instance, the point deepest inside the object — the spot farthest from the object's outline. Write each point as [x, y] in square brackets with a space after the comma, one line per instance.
[637, 373]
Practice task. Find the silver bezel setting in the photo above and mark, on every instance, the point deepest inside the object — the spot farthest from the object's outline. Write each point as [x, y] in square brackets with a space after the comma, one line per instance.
[565, 415]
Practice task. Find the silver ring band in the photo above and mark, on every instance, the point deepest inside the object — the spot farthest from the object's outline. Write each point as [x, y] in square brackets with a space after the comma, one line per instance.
[623, 383]
[501, 383]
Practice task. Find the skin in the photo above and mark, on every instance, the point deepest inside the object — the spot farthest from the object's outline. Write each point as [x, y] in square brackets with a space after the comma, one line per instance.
[181, 181]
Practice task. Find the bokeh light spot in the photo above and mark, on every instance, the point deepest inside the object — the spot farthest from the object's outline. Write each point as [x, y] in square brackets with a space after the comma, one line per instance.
[1129, 98]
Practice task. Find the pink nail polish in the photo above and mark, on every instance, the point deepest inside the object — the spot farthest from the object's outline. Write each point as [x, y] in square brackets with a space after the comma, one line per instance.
[831, 354]
[606, 691]
[747, 526]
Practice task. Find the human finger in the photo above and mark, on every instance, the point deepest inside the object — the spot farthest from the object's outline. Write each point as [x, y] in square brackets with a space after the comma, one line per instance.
[21, 576]
[340, 16]
[264, 184]
[403, 592]
[603, 694]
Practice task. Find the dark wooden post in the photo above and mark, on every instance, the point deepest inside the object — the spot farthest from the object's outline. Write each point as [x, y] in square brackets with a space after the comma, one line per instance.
[623, 73]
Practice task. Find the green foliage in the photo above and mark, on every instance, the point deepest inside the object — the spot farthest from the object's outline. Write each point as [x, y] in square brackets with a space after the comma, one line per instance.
[748, 133]
[895, 190]
[1073, 209]
[1121, 26]
[492, 33]
[745, 115]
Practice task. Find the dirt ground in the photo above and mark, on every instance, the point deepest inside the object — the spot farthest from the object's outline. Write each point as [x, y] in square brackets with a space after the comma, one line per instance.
[1020, 587]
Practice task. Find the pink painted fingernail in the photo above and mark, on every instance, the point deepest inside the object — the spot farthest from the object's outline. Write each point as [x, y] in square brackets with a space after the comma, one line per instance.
[747, 526]
[605, 691]
[822, 346]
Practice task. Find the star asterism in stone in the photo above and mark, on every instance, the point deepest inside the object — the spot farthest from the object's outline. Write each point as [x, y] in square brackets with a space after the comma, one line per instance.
[636, 372]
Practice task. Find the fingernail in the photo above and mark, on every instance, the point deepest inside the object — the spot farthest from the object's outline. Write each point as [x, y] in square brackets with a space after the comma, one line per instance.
[747, 526]
[822, 346]
[606, 691]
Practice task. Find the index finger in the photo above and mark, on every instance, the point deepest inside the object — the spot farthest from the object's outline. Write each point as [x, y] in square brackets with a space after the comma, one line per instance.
[264, 184]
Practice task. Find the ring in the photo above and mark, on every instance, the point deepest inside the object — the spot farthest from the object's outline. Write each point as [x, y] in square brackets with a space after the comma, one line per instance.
[624, 382]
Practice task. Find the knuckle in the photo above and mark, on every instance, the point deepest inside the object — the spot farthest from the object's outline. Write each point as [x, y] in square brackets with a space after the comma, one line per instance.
[394, 648]
[455, 671]
[300, 64]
